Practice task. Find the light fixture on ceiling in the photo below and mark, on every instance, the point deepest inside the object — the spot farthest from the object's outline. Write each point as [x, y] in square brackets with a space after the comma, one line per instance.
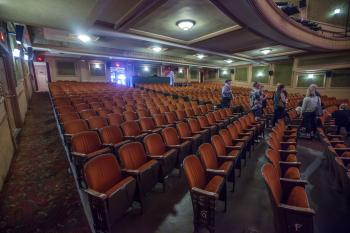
[157, 49]
[229, 61]
[185, 24]
[265, 51]
[310, 76]
[181, 70]
[200, 56]
[146, 68]
[336, 11]
[84, 38]
[224, 72]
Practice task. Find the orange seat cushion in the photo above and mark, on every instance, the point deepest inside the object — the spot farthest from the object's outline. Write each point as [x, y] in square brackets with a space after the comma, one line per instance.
[119, 185]
[292, 173]
[291, 158]
[291, 147]
[298, 197]
[340, 145]
[346, 154]
[215, 184]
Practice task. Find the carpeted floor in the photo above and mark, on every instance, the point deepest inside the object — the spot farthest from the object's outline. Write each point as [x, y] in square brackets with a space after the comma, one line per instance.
[40, 195]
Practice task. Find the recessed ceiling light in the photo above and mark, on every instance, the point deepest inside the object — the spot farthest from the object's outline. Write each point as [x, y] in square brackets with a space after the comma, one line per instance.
[156, 49]
[224, 72]
[228, 61]
[185, 24]
[84, 38]
[265, 51]
[200, 56]
[181, 70]
[336, 11]
[146, 68]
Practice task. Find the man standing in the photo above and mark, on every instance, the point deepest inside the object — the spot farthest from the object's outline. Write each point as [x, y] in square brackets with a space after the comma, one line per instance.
[226, 94]
[256, 100]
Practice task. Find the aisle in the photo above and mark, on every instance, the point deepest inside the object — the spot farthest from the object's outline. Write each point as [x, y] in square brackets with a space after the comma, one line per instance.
[40, 195]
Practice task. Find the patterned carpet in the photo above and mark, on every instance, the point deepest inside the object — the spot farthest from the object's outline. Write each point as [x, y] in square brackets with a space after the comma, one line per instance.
[40, 195]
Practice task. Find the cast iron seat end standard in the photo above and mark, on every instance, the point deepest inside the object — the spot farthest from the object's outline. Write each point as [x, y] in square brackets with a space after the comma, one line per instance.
[109, 191]
[205, 191]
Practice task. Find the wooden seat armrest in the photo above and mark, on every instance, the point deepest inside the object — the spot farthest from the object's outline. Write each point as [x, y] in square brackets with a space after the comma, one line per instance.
[95, 194]
[101, 151]
[239, 140]
[68, 135]
[244, 134]
[173, 146]
[342, 149]
[293, 182]
[295, 209]
[336, 142]
[157, 157]
[187, 138]
[205, 193]
[131, 172]
[346, 160]
[77, 154]
[233, 147]
[289, 164]
[288, 143]
[216, 172]
[225, 157]
[335, 135]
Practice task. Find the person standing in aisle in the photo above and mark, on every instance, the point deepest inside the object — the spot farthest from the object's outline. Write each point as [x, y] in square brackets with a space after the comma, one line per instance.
[279, 103]
[226, 94]
[256, 100]
[309, 109]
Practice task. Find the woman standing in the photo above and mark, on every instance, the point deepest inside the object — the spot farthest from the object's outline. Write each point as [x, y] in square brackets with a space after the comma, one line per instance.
[279, 103]
[309, 109]
[226, 94]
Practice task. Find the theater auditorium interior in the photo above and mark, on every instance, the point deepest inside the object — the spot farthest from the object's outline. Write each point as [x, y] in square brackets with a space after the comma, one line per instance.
[174, 116]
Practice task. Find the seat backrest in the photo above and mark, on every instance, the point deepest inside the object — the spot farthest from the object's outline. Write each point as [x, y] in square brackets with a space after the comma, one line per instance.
[170, 117]
[154, 144]
[238, 126]
[271, 178]
[274, 158]
[203, 108]
[115, 119]
[131, 128]
[233, 131]
[208, 156]
[86, 114]
[217, 115]
[102, 172]
[75, 126]
[211, 118]
[194, 125]
[226, 137]
[183, 129]
[65, 109]
[111, 134]
[97, 122]
[86, 142]
[69, 116]
[189, 112]
[143, 113]
[160, 119]
[170, 136]
[130, 116]
[194, 172]
[203, 121]
[180, 114]
[218, 144]
[132, 155]
[147, 123]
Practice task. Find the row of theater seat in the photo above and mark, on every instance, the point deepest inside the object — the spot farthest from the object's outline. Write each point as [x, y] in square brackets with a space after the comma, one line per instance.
[338, 159]
[164, 138]
[291, 208]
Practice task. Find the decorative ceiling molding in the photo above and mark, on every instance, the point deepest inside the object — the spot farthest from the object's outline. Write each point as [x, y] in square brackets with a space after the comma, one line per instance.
[186, 42]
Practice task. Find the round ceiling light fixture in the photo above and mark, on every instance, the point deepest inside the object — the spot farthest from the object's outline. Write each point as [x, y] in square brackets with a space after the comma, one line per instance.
[336, 11]
[185, 24]
[200, 56]
[265, 51]
[229, 61]
[157, 49]
[84, 38]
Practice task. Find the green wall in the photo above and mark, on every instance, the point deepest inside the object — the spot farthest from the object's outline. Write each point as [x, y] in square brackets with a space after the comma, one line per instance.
[283, 73]
[225, 74]
[325, 60]
[212, 73]
[264, 71]
[194, 74]
[241, 74]
[305, 81]
[341, 79]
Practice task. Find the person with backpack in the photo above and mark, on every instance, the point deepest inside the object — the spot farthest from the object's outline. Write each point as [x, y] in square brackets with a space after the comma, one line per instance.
[279, 103]
[256, 100]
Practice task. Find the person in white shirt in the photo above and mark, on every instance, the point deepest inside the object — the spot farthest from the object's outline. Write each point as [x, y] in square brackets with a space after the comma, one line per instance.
[311, 103]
